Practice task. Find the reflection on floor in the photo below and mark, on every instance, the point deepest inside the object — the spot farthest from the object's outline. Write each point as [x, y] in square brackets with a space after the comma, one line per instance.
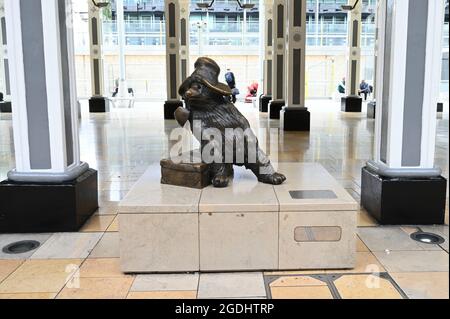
[121, 145]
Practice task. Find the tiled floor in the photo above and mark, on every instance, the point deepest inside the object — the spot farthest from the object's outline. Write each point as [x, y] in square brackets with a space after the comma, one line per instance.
[121, 144]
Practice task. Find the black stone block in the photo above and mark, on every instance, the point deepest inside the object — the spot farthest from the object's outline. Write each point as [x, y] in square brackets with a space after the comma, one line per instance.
[404, 201]
[440, 107]
[351, 104]
[42, 208]
[371, 109]
[5, 107]
[274, 109]
[264, 103]
[295, 119]
[169, 109]
[98, 105]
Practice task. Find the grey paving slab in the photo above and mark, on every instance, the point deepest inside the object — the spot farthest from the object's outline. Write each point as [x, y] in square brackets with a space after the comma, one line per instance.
[6, 239]
[165, 282]
[414, 261]
[390, 238]
[67, 245]
[231, 285]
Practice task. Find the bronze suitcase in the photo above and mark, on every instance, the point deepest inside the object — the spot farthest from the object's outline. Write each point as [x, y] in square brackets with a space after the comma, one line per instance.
[192, 175]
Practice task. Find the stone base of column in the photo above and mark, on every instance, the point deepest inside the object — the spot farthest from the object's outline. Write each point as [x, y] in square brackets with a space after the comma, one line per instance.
[98, 104]
[264, 103]
[440, 107]
[351, 103]
[45, 207]
[5, 107]
[295, 119]
[404, 201]
[170, 107]
[371, 109]
[275, 108]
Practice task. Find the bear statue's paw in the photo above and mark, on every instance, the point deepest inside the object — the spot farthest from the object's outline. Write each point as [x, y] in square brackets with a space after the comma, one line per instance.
[220, 181]
[274, 179]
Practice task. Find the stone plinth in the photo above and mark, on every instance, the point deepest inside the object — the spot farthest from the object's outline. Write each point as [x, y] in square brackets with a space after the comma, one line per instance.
[309, 222]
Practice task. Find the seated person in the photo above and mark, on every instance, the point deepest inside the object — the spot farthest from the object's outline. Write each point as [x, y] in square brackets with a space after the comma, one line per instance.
[341, 87]
[364, 88]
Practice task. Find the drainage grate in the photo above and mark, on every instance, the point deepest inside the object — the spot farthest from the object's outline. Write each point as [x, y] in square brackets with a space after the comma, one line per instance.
[21, 247]
[427, 238]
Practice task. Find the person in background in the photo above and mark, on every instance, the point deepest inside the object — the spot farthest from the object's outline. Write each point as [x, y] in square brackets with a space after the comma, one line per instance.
[341, 86]
[252, 92]
[231, 81]
[364, 88]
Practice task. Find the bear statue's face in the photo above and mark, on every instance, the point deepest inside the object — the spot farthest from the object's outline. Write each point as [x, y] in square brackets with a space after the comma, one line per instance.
[198, 94]
[194, 91]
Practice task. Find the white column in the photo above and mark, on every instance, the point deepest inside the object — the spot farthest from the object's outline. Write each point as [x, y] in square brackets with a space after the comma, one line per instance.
[354, 50]
[408, 73]
[42, 70]
[375, 62]
[268, 47]
[279, 51]
[123, 86]
[4, 67]
[173, 45]
[96, 52]
[295, 48]
[185, 12]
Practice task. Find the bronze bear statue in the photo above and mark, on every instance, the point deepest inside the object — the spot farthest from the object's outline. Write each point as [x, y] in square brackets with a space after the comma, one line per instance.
[208, 105]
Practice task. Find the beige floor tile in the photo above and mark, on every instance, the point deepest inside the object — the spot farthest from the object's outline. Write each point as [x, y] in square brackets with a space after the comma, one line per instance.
[311, 292]
[36, 276]
[43, 295]
[414, 261]
[296, 281]
[365, 220]
[102, 268]
[107, 210]
[366, 262]
[360, 246]
[423, 285]
[7, 267]
[107, 247]
[98, 288]
[295, 272]
[163, 295]
[365, 287]
[114, 226]
[97, 223]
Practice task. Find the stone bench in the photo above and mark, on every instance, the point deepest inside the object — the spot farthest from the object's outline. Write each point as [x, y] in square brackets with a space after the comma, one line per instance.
[307, 223]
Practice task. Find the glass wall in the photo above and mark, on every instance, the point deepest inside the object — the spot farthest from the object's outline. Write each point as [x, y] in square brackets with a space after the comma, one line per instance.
[226, 33]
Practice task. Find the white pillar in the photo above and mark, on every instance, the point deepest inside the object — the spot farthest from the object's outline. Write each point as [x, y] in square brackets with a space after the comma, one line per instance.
[268, 46]
[279, 51]
[43, 91]
[185, 12]
[354, 50]
[295, 48]
[5, 88]
[375, 61]
[408, 73]
[123, 86]
[96, 51]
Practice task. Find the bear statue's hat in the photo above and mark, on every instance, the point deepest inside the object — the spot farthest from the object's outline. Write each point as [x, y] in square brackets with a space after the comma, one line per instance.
[206, 72]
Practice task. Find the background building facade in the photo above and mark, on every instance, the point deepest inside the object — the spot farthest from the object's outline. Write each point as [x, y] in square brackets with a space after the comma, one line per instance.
[232, 36]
